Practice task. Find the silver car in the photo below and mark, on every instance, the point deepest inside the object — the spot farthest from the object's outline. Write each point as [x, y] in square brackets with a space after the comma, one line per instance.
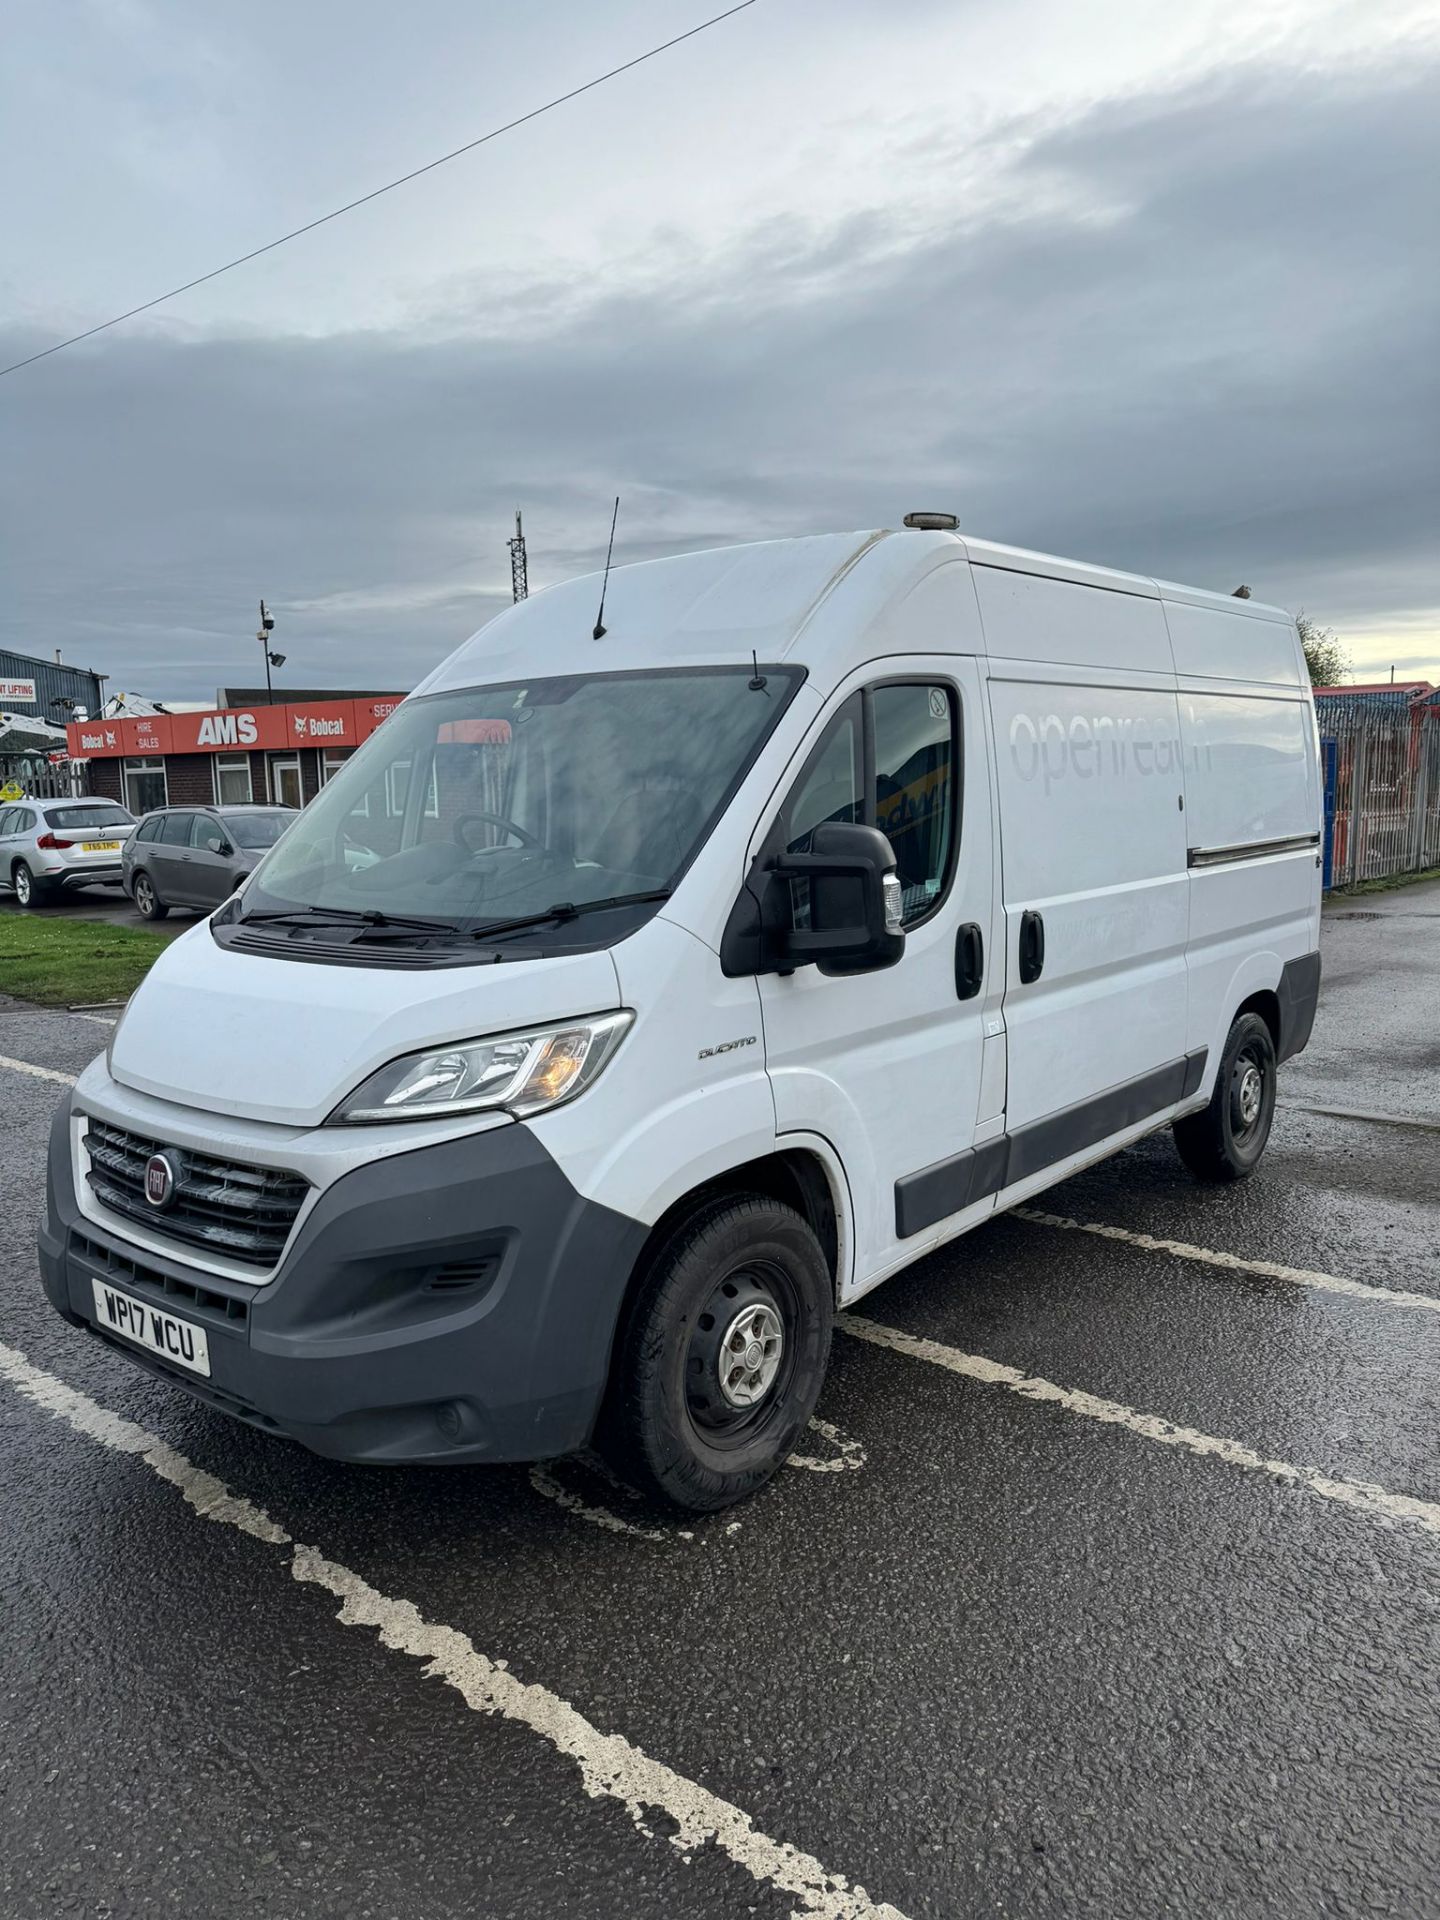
[50, 847]
[197, 856]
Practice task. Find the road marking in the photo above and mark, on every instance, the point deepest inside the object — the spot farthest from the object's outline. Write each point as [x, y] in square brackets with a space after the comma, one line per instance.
[1264, 1269]
[1360, 1495]
[849, 1455]
[611, 1767]
[546, 1480]
[1364, 1114]
[543, 1479]
[40, 1073]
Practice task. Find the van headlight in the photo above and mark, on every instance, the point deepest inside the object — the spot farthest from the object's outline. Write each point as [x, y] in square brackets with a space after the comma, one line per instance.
[523, 1073]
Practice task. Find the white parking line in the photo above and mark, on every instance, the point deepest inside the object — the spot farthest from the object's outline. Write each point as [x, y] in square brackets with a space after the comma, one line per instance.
[611, 1767]
[40, 1073]
[1359, 1495]
[1263, 1269]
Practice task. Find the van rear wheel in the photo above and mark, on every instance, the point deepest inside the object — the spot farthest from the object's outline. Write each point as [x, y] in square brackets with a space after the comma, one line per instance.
[1225, 1140]
[722, 1355]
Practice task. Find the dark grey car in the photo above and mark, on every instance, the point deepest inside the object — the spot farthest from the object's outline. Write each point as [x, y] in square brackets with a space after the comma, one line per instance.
[197, 856]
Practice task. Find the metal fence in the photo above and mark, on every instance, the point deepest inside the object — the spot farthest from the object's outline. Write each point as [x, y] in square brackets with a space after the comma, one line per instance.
[34, 777]
[1382, 789]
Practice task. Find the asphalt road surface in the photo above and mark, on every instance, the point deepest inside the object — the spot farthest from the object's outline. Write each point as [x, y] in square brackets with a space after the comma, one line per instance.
[1110, 1585]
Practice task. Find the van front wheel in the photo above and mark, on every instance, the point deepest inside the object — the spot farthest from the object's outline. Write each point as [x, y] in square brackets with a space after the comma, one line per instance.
[722, 1355]
[1225, 1140]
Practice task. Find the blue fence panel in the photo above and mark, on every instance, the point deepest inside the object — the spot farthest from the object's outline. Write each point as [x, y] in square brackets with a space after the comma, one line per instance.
[1329, 769]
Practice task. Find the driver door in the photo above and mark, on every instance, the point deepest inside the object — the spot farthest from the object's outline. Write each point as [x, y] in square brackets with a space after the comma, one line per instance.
[900, 1070]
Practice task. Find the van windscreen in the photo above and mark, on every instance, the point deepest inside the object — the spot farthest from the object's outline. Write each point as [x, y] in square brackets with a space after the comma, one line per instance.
[471, 809]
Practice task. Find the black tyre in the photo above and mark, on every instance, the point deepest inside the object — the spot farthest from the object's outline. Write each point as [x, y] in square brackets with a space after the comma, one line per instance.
[1225, 1140]
[29, 892]
[722, 1354]
[148, 903]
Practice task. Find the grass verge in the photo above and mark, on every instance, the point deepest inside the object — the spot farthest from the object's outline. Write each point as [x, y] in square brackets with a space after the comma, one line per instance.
[66, 963]
[1388, 885]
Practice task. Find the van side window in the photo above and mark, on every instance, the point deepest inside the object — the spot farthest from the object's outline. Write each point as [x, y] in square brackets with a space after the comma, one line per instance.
[915, 781]
[906, 735]
[832, 784]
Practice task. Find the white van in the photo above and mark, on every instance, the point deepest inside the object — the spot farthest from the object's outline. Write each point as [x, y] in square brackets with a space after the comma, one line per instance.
[651, 986]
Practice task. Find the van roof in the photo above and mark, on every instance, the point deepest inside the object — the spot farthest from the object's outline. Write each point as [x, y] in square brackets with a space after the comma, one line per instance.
[724, 603]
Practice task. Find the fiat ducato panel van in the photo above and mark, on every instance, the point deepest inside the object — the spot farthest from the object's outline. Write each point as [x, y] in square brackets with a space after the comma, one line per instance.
[649, 988]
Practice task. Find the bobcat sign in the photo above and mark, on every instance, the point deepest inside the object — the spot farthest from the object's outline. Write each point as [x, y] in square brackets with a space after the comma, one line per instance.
[328, 724]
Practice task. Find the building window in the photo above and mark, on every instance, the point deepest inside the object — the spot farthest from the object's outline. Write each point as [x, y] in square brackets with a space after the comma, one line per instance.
[232, 780]
[145, 787]
[285, 784]
[330, 765]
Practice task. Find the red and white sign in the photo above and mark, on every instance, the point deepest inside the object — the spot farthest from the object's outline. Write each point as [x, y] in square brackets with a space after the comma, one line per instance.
[325, 724]
[22, 690]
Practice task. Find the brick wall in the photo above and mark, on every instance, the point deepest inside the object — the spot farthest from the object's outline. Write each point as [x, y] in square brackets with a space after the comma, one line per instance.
[107, 780]
[190, 779]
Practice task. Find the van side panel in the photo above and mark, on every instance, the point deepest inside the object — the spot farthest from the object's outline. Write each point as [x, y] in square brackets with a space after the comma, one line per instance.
[1251, 783]
[1087, 754]
[1218, 644]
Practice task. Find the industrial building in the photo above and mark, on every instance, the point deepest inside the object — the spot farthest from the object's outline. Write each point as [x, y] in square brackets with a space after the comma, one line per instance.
[283, 752]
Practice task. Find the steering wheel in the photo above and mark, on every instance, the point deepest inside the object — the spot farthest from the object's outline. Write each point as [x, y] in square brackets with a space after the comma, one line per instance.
[463, 820]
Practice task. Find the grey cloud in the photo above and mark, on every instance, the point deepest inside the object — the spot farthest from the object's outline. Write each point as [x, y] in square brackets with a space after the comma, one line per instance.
[1195, 335]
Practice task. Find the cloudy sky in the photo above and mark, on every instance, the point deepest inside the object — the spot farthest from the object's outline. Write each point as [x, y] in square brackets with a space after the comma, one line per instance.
[1155, 286]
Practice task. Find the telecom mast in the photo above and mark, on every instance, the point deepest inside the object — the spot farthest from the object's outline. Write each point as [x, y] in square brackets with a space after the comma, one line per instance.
[519, 577]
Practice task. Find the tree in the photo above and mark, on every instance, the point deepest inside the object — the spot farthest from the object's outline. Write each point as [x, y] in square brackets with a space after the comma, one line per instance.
[1325, 653]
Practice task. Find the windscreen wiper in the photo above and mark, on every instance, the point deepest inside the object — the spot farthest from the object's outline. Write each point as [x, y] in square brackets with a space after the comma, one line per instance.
[349, 916]
[564, 910]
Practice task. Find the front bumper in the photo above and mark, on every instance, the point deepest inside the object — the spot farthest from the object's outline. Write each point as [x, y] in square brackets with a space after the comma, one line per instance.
[455, 1303]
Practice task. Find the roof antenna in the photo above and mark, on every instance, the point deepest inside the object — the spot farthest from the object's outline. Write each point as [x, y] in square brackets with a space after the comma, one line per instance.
[599, 633]
[757, 684]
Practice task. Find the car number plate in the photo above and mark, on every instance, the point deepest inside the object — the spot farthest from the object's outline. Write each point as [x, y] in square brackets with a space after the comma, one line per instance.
[99, 846]
[179, 1341]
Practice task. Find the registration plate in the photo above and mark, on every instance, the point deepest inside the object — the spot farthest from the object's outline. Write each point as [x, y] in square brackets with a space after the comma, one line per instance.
[99, 846]
[179, 1341]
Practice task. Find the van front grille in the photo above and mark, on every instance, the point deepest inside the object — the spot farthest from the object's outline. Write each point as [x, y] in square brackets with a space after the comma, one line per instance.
[242, 1212]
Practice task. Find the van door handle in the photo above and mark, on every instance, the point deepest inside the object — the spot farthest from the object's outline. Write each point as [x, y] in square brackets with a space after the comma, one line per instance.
[1032, 947]
[969, 961]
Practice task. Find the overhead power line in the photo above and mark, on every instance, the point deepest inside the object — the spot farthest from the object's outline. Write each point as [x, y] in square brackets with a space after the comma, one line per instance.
[350, 205]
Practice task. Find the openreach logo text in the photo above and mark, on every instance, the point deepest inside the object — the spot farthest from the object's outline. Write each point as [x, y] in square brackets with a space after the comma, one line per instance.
[1052, 749]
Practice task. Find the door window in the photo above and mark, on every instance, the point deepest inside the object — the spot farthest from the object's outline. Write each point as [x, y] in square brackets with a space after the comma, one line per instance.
[832, 785]
[285, 783]
[7, 819]
[914, 730]
[175, 829]
[208, 835]
[888, 759]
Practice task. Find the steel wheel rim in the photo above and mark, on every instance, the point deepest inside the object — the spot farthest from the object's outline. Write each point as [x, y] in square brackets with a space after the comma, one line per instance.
[741, 1354]
[1248, 1089]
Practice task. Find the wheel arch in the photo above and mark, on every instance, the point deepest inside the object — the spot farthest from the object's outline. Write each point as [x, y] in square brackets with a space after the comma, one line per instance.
[1267, 1004]
[798, 1176]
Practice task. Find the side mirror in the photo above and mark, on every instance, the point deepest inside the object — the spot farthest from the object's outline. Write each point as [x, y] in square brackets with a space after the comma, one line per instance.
[225, 850]
[838, 905]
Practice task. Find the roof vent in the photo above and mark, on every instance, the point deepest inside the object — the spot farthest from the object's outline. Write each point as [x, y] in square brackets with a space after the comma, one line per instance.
[932, 522]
